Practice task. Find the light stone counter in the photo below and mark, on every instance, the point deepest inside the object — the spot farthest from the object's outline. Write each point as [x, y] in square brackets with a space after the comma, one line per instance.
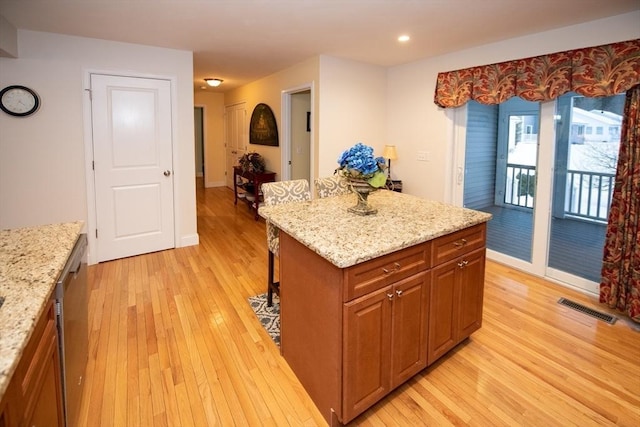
[345, 239]
[31, 260]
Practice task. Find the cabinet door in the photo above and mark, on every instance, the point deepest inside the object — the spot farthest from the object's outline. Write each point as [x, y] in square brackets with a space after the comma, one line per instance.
[48, 409]
[367, 330]
[471, 282]
[409, 335]
[442, 310]
[8, 405]
[38, 373]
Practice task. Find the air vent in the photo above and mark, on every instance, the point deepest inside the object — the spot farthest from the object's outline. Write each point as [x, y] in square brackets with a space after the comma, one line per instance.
[588, 311]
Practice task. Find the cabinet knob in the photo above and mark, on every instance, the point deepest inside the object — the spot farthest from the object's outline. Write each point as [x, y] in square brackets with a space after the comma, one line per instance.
[167, 173]
[399, 293]
[390, 296]
[463, 263]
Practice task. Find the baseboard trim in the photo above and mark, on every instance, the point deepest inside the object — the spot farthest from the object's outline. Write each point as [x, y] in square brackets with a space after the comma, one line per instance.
[189, 240]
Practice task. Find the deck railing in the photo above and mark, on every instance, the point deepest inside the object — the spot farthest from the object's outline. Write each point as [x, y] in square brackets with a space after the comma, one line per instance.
[588, 194]
[521, 185]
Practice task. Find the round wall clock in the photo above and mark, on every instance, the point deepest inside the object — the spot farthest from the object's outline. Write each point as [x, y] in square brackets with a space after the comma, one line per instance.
[19, 101]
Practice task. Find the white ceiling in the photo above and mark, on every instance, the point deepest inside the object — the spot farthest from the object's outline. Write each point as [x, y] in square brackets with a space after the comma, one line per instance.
[242, 40]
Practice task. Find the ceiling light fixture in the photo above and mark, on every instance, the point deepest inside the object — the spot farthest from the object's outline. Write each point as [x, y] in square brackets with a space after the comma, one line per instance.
[213, 82]
[404, 38]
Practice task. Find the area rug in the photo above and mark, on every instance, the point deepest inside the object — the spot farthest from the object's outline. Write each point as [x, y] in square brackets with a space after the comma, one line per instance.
[269, 316]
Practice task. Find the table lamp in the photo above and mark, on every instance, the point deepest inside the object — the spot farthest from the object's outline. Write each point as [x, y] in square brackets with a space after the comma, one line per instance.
[390, 154]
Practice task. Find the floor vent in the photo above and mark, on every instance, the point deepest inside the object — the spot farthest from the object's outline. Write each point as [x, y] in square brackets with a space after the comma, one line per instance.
[588, 311]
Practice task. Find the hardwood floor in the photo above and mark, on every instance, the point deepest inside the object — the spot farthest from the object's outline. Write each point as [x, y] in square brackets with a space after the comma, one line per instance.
[173, 342]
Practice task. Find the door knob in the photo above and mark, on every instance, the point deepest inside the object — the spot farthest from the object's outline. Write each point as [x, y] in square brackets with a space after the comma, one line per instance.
[167, 173]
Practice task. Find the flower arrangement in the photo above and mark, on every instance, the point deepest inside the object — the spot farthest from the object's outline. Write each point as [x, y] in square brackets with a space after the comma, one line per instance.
[358, 162]
[252, 162]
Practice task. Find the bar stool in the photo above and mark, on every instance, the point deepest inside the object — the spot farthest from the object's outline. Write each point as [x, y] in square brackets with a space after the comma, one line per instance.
[275, 193]
[333, 185]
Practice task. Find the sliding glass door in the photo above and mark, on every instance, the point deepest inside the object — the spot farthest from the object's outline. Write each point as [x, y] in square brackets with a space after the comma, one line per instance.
[545, 172]
[586, 154]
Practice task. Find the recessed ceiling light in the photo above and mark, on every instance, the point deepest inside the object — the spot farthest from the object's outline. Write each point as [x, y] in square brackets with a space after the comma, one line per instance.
[404, 38]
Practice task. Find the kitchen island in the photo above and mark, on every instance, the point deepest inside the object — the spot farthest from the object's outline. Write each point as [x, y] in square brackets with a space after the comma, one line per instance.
[366, 302]
[31, 260]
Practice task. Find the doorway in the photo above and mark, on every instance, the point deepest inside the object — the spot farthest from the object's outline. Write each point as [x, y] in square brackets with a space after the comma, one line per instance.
[297, 142]
[198, 126]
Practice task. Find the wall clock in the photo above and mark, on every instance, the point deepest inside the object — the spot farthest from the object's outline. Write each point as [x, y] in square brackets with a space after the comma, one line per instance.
[19, 101]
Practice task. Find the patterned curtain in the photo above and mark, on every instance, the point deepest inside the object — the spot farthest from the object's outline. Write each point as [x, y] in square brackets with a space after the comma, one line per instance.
[595, 71]
[620, 286]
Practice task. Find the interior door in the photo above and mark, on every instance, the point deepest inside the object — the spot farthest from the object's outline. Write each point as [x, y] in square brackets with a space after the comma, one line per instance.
[133, 165]
[236, 137]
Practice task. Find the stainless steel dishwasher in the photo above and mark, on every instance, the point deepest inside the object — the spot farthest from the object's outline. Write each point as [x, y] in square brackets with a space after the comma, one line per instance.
[73, 331]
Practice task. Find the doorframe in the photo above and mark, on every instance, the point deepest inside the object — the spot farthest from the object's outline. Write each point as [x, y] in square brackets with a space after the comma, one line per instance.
[91, 226]
[205, 172]
[285, 126]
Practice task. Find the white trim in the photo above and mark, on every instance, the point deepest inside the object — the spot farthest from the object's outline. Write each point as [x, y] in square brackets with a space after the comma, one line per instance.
[544, 185]
[190, 240]
[204, 143]
[458, 129]
[571, 281]
[555, 276]
[285, 125]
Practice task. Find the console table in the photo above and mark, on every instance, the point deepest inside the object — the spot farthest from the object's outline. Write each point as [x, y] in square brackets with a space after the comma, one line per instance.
[249, 184]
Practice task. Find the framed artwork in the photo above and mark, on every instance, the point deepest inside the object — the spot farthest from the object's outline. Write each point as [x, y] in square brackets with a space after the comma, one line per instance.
[262, 128]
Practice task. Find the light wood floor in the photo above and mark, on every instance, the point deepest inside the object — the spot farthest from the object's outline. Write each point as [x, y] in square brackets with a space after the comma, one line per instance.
[173, 342]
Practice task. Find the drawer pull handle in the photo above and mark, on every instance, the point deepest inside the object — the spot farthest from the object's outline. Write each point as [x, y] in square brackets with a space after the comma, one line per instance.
[396, 267]
[390, 296]
[399, 293]
[460, 243]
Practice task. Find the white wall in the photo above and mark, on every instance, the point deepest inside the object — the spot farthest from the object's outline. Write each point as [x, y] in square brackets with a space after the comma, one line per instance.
[352, 102]
[269, 91]
[415, 123]
[42, 157]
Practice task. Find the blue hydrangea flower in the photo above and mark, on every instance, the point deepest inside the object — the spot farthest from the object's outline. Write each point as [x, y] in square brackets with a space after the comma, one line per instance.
[359, 162]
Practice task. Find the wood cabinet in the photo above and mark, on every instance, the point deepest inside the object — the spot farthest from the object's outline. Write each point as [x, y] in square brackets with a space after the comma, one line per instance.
[385, 341]
[353, 334]
[34, 395]
[455, 302]
[246, 186]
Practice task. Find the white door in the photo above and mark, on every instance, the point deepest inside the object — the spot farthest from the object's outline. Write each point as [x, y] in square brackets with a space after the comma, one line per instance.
[133, 167]
[236, 136]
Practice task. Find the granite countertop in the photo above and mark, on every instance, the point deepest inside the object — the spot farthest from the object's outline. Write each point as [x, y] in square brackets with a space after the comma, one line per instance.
[345, 239]
[31, 260]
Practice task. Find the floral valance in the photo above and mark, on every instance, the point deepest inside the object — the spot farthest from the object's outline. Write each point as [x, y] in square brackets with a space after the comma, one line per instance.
[594, 71]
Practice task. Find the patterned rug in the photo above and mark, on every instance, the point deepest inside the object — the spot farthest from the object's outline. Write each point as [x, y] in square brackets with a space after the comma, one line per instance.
[268, 316]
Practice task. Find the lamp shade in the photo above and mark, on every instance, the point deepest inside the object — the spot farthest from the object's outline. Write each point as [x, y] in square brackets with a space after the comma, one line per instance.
[390, 152]
[213, 82]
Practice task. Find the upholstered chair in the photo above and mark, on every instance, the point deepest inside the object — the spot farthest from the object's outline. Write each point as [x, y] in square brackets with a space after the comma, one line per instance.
[274, 193]
[331, 186]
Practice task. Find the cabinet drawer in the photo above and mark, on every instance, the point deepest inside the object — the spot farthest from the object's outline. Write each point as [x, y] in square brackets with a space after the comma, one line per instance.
[379, 272]
[448, 247]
